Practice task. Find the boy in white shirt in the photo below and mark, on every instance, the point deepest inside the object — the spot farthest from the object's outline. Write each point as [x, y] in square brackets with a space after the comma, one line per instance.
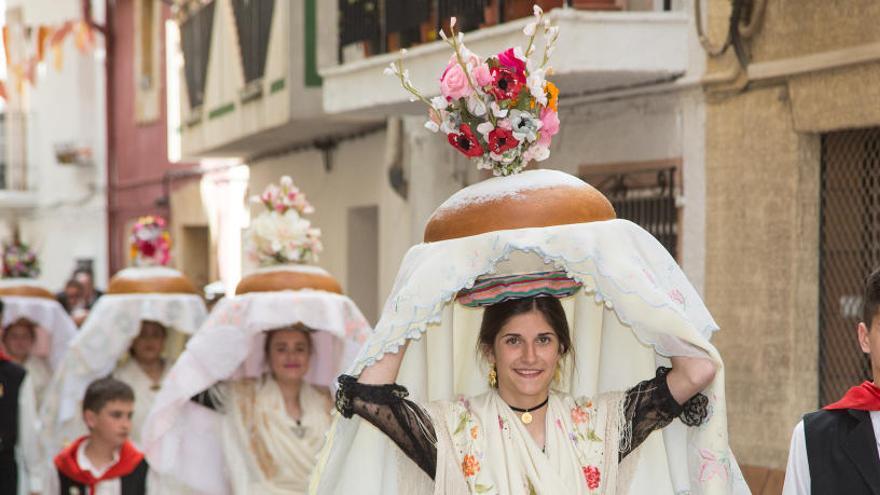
[104, 462]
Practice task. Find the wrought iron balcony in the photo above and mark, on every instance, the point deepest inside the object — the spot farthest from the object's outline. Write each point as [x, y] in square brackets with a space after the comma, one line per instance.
[381, 26]
[638, 44]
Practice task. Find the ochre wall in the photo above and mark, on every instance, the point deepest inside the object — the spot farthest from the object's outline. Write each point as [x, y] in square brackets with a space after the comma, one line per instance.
[762, 235]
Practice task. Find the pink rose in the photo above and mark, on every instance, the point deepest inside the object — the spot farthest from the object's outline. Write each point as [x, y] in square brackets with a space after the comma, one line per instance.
[454, 82]
[482, 75]
[509, 59]
[549, 126]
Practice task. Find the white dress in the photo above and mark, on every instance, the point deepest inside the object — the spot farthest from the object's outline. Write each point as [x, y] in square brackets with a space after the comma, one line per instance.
[145, 391]
[266, 450]
[40, 374]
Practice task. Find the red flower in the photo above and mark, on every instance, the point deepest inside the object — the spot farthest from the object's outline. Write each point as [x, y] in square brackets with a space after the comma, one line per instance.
[501, 140]
[148, 249]
[509, 59]
[506, 84]
[592, 476]
[465, 141]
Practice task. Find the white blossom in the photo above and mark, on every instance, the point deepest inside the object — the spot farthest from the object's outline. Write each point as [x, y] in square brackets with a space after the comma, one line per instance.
[524, 125]
[536, 82]
[476, 106]
[485, 128]
[497, 111]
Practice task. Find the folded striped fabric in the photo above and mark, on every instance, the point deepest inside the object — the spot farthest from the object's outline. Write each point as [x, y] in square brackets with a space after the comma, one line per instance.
[496, 289]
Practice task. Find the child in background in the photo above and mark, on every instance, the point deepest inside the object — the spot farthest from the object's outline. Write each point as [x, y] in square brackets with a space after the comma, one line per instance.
[104, 462]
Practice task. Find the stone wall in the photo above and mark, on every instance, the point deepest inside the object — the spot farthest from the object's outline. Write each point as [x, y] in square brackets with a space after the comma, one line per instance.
[762, 209]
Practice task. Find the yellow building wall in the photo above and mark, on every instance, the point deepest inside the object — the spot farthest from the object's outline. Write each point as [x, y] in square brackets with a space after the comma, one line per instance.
[762, 208]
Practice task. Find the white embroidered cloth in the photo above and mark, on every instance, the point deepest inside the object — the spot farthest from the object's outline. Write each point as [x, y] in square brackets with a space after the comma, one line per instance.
[55, 328]
[181, 438]
[103, 340]
[636, 307]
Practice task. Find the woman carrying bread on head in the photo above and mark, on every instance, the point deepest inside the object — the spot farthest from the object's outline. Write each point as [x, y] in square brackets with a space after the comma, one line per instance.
[533, 344]
[246, 407]
[134, 332]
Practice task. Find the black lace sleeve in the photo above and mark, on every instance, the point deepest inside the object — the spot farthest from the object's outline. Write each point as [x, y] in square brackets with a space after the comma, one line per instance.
[650, 406]
[209, 399]
[386, 407]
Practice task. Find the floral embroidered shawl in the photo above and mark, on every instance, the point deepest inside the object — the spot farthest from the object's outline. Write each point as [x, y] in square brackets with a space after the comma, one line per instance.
[483, 447]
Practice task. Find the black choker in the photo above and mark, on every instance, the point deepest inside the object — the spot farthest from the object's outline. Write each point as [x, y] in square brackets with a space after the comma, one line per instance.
[526, 416]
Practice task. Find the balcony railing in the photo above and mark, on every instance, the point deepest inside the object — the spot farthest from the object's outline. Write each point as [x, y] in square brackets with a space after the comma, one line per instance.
[372, 27]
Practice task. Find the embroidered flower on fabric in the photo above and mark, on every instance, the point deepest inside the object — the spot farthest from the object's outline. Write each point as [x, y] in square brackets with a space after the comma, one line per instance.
[677, 296]
[474, 432]
[592, 476]
[712, 464]
[579, 415]
[470, 466]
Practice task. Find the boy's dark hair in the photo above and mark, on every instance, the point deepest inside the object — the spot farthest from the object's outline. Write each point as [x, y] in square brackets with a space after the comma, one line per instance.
[872, 298]
[105, 390]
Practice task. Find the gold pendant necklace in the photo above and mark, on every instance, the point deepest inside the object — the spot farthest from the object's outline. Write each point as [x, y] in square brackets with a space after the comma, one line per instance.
[526, 416]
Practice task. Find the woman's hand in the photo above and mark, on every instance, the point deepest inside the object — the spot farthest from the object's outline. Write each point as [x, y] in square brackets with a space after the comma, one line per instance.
[689, 376]
[385, 370]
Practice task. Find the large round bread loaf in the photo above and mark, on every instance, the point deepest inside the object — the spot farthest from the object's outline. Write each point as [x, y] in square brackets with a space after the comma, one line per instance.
[288, 277]
[24, 288]
[150, 280]
[537, 198]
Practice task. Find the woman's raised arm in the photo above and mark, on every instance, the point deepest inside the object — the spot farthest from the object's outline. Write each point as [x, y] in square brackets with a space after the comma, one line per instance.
[385, 370]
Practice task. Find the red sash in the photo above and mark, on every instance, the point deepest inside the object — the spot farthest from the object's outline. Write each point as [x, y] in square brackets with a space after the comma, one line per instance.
[865, 397]
[129, 458]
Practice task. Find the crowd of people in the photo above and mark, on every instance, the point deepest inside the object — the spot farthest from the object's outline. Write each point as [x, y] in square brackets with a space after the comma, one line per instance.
[79, 294]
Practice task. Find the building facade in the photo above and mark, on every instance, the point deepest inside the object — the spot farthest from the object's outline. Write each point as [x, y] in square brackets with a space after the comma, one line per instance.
[142, 177]
[296, 88]
[54, 165]
[792, 212]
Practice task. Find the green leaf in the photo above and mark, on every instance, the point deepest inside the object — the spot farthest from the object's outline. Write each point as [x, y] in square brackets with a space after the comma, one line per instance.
[593, 437]
[462, 423]
[480, 488]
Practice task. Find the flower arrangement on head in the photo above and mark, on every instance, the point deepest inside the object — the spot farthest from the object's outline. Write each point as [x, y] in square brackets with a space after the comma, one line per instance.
[19, 261]
[150, 243]
[280, 234]
[500, 112]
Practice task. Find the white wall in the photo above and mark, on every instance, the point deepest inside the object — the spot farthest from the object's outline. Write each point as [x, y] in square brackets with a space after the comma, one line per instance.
[67, 106]
[357, 179]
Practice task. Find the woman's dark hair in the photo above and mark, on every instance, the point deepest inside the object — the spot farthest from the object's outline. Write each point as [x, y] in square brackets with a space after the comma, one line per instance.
[298, 327]
[497, 315]
[154, 322]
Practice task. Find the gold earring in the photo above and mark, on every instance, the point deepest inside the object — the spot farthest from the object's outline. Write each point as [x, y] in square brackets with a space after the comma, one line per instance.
[557, 375]
[493, 377]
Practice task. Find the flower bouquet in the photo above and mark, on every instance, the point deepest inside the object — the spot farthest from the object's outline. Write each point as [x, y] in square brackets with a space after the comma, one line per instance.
[501, 111]
[150, 243]
[280, 234]
[19, 261]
